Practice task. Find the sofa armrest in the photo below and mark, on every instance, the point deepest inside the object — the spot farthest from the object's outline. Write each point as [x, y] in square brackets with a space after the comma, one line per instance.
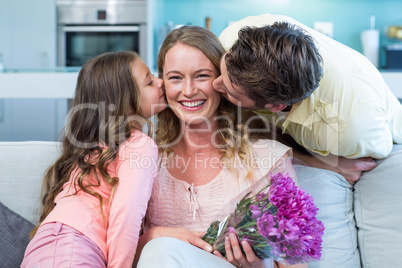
[378, 210]
[22, 166]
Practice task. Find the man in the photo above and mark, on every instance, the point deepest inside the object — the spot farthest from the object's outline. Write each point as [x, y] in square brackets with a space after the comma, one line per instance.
[329, 98]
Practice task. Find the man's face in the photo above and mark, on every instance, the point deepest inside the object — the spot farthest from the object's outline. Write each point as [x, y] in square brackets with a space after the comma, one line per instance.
[233, 93]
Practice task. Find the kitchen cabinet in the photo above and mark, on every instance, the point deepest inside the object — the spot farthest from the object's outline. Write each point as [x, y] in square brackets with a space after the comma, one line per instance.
[394, 81]
[31, 119]
[34, 103]
[28, 40]
[28, 33]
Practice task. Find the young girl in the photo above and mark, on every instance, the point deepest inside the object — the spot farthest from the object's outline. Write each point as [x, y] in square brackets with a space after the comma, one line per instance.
[206, 160]
[97, 191]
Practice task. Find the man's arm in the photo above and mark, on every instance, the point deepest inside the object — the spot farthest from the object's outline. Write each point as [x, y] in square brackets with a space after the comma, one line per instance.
[351, 169]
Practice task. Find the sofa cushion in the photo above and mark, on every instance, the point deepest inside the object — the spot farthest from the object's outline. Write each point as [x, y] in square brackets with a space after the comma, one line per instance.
[333, 195]
[14, 237]
[22, 166]
[378, 209]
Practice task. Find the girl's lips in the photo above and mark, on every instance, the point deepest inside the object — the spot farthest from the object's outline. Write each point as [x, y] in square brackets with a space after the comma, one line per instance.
[163, 95]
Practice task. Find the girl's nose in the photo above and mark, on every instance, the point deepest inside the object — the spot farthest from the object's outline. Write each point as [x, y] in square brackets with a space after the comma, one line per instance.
[159, 82]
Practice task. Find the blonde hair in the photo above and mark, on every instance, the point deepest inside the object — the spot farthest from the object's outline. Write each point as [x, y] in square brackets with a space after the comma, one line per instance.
[233, 138]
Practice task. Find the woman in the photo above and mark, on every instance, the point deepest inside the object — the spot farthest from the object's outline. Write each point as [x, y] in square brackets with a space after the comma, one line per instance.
[205, 159]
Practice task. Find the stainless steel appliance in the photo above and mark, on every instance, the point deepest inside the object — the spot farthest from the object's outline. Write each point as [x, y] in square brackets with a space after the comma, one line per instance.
[86, 28]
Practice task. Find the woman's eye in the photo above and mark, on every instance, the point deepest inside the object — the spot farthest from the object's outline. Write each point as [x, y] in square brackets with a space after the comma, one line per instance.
[203, 75]
[150, 83]
[174, 78]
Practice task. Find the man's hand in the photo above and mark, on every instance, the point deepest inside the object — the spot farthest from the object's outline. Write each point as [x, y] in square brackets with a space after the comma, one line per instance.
[351, 169]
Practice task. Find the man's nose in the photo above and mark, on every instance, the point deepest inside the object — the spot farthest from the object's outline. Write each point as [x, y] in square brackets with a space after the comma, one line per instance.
[218, 84]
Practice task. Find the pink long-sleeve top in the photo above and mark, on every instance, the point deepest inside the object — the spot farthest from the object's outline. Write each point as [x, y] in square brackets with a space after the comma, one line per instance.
[117, 233]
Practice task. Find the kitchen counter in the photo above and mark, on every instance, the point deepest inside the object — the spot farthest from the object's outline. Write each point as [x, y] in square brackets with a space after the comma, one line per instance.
[54, 83]
[59, 83]
[393, 78]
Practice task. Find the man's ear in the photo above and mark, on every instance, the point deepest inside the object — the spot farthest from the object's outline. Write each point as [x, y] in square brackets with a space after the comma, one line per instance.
[275, 107]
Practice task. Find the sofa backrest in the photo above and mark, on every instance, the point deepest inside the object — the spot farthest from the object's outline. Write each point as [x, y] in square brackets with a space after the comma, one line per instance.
[22, 166]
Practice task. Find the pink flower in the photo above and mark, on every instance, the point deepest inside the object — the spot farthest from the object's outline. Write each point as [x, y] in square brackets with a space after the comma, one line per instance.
[255, 211]
[266, 225]
[279, 222]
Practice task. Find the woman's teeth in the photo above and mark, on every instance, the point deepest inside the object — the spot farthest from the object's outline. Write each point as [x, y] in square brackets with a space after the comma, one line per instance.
[192, 103]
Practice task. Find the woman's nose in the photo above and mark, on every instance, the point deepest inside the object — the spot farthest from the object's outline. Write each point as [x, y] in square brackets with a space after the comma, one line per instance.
[189, 89]
[217, 84]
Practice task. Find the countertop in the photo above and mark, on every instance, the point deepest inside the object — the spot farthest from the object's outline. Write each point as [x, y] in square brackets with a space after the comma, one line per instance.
[52, 83]
[59, 83]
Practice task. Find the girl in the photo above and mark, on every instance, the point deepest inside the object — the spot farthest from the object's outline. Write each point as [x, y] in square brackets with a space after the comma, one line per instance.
[199, 173]
[99, 187]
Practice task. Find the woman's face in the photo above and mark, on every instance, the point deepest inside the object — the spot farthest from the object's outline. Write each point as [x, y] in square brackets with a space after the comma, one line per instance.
[188, 75]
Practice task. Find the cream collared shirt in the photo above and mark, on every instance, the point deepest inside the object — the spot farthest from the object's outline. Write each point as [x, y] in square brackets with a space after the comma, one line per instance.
[352, 113]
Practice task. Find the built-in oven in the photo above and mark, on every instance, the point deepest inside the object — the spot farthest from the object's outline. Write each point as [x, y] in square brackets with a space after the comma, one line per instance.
[87, 28]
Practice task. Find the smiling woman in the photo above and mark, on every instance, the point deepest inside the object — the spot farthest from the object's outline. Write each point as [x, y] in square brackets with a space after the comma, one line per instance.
[199, 172]
[188, 76]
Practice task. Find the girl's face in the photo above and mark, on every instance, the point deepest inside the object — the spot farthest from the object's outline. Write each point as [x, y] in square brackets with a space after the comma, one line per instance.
[152, 95]
[188, 75]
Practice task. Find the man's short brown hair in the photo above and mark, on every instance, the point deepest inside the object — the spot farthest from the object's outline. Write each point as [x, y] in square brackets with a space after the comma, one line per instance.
[276, 64]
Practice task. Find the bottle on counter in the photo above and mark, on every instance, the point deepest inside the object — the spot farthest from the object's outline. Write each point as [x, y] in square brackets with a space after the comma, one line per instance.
[371, 42]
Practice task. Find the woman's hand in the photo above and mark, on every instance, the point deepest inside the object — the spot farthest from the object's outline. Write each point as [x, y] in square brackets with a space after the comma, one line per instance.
[235, 256]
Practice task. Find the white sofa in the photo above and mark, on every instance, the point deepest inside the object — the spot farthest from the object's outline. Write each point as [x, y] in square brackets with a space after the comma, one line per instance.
[363, 223]
[22, 166]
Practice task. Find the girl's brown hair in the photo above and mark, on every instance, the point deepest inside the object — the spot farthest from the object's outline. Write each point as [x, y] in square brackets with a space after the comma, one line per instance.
[106, 99]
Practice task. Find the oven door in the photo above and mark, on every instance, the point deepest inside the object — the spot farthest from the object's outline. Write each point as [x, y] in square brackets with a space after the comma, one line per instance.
[78, 44]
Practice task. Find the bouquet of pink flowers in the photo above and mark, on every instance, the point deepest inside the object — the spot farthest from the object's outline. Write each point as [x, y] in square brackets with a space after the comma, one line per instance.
[278, 221]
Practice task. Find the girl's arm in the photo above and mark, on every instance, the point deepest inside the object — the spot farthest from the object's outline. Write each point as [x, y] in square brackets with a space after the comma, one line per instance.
[136, 171]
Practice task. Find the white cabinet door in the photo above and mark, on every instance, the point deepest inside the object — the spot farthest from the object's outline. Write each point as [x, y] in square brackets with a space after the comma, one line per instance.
[28, 40]
[31, 119]
[31, 34]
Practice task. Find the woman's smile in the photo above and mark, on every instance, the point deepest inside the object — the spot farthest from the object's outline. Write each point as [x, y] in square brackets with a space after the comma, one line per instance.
[192, 105]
